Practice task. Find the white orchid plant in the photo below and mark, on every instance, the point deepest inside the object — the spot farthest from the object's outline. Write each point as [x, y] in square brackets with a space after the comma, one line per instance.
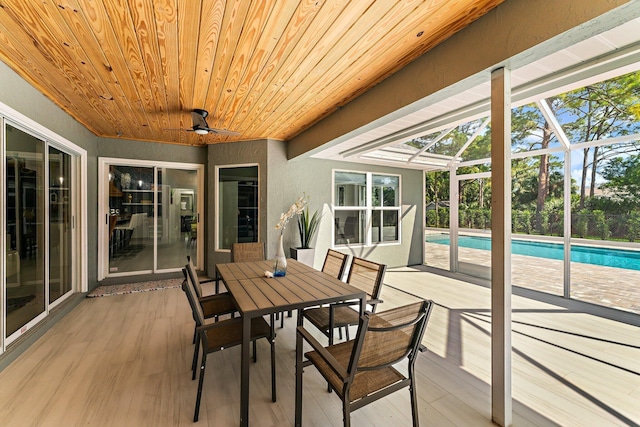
[296, 209]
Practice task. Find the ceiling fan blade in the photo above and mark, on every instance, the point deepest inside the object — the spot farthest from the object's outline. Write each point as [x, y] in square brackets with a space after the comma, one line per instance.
[223, 132]
[198, 118]
[201, 127]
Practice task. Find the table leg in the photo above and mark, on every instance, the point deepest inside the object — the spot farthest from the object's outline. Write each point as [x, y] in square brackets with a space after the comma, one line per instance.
[244, 371]
[299, 372]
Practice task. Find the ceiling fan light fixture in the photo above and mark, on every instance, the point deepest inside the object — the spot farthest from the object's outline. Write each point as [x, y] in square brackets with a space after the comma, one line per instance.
[201, 131]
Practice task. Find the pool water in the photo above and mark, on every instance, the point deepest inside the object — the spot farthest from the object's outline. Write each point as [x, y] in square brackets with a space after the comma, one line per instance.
[618, 258]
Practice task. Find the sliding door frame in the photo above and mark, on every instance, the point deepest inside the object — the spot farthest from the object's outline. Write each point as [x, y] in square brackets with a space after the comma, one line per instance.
[103, 212]
[78, 203]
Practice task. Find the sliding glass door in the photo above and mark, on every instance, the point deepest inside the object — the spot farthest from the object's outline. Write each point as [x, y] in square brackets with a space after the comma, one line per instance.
[60, 224]
[151, 216]
[25, 225]
[39, 237]
[132, 204]
[177, 226]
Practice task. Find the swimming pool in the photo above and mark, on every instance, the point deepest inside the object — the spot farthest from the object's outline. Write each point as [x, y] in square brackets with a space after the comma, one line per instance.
[618, 258]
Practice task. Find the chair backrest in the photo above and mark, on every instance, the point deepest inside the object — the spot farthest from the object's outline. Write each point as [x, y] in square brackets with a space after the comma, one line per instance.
[243, 252]
[335, 263]
[196, 308]
[191, 271]
[390, 336]
[140, 220]
[135, 221]
[367, 276]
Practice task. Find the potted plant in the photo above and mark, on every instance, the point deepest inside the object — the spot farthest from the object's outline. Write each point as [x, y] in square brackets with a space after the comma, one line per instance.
[307, 227]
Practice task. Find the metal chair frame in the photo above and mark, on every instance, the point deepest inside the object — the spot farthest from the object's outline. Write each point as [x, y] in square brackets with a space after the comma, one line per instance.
[369, 358]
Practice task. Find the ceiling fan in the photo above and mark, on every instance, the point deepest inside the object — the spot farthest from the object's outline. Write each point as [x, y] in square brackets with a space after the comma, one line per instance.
[201, 127]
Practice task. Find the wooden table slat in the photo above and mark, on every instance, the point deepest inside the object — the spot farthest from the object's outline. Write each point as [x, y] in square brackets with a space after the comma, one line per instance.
[291, 286]
[326, 284]
[255, 269]
[240, 295]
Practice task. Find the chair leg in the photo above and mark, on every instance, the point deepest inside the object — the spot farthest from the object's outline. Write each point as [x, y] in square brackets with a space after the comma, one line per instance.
[346, 416]
[331, 329]
[195, 335]
[202, 367]
[414, 403]
[282, 320]
[194, 363]
[255, 352]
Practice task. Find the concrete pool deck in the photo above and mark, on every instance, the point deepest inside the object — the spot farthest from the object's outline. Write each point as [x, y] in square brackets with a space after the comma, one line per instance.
[607, 286]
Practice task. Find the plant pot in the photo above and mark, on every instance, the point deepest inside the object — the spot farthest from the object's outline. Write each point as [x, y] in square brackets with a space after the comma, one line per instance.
[305, 256]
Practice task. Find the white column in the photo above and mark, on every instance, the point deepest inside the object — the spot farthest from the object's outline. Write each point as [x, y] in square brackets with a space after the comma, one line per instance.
[453, 219]
[567, 224]
[501, 405]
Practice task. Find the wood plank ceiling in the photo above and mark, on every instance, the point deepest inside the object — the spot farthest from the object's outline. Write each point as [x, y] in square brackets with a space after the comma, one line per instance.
[265, 69]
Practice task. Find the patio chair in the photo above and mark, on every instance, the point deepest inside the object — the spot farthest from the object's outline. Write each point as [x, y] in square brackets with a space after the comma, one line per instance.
[363, 274]
[362, 371]
[214, 305]
[244, 252]
[226, 333]
[126, 230]
[335, 263]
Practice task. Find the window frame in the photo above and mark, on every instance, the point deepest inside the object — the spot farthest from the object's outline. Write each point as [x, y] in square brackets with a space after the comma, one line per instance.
[217, 247]
[369, 209]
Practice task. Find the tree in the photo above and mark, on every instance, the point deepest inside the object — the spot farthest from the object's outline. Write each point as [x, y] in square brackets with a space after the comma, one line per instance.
[602, 110]
[529, 131]
[623, 176]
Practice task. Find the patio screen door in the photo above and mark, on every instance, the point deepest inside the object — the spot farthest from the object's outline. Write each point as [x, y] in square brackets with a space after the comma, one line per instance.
[471, 239]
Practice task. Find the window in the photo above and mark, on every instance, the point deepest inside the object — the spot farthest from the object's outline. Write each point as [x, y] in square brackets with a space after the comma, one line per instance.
[237, 219]
[366, 208]
[386, 207]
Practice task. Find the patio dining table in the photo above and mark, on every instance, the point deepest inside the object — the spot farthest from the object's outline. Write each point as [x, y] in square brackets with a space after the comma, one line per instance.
[257, 295]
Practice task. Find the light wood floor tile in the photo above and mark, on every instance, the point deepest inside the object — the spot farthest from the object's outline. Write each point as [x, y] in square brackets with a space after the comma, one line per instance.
[125, 361]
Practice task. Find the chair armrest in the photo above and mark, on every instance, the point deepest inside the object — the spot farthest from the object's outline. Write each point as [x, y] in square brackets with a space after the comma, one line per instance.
[216, 325]
[335, 366]
[344, 303]
[206, 298]
[356, 302]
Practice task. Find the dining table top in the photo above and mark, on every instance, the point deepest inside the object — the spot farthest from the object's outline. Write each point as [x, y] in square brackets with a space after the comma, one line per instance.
[256, 294]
